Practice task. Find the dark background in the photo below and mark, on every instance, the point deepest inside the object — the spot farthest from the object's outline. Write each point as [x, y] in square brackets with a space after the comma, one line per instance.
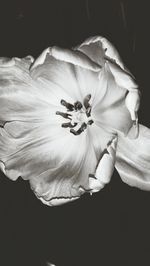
[113, 226]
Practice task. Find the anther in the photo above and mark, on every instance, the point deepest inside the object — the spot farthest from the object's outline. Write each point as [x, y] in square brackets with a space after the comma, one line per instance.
[83, 126]
[69, 106]
[90, 122]
[88, 111]
[65, 115]
[68, 125]
[86, 101]
[80, 130]
[77, 105]
[74, 132]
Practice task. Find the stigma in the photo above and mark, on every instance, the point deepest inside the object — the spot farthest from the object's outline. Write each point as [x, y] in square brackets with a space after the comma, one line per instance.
[78, 115]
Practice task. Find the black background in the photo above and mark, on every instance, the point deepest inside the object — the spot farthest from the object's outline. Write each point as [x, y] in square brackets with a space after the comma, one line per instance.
[113, 226]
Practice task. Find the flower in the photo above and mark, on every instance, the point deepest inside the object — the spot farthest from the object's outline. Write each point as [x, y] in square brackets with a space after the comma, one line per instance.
[68, 118]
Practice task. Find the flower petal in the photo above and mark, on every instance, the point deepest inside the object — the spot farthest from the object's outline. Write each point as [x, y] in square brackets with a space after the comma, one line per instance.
[53, 73]
[110, 109]
[6, 62]
[133, 159]
[99, 48]
[70, 56]
[93, 49]
[105, 168]
[108, 103]
[62, 183]
[75, 57]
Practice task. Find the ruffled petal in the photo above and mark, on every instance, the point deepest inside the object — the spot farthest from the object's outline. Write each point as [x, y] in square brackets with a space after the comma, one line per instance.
[133, 159]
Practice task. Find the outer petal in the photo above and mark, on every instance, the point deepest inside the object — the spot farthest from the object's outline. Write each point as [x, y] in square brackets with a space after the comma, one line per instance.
[106, 46]
[104, 168]
[114, 83]
[70, 56]
[133, 159]
[94, 49]
[110, 110]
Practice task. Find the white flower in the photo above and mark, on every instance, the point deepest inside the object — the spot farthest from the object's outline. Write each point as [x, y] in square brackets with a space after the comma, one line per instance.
[68, 118]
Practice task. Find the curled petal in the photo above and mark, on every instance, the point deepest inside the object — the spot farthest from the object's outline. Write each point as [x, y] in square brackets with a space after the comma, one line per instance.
[75, 57]
[123, 78]
[133, 159]
[104, 49]
[70, 56]
[92, 47]
[126, 81]
[132, 102]
[105, 168]
[41, 59]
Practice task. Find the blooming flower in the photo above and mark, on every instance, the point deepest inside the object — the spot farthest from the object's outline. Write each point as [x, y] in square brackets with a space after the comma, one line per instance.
[68, 118]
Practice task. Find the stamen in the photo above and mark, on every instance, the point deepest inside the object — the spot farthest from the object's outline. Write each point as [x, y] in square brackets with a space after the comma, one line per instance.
[90, 122]
[88, 111]
[78, 105]
[69, 106]
[86, 101]
[79, 115]
[80, 130]
[65, 115]
[68, 125]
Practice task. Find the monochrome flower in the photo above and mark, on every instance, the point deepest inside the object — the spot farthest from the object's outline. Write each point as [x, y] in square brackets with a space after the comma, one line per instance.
[68, 118]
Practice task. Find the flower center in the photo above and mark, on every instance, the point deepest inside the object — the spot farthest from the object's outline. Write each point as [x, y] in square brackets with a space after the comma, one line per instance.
[78, 115]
